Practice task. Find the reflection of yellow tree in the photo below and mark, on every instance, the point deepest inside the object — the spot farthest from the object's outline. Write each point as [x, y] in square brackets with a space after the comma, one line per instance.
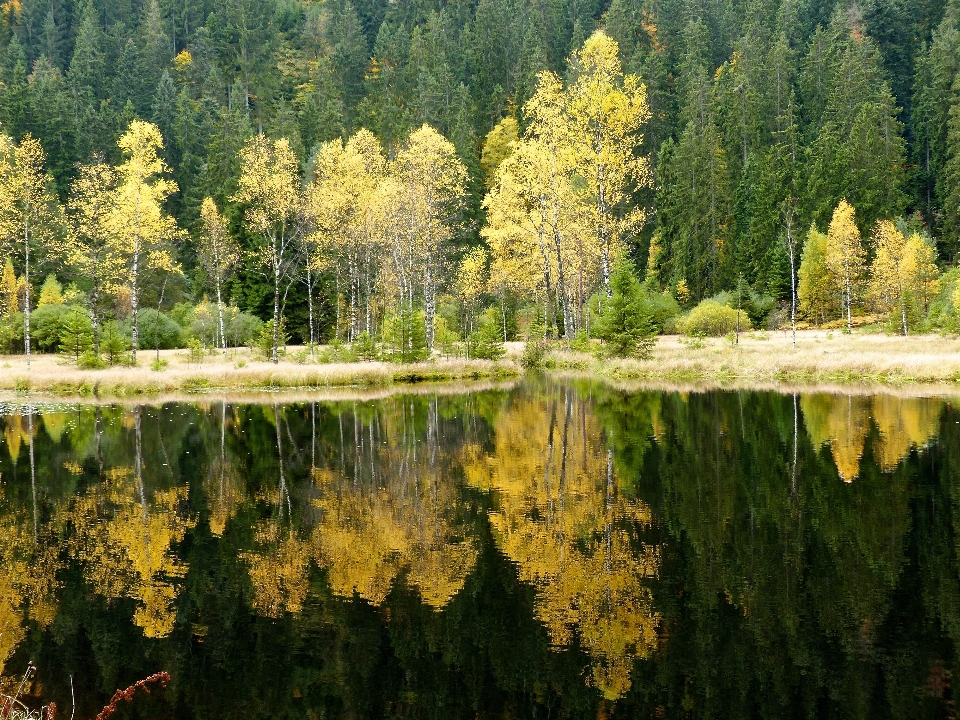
[279, 571]
[904, 424]
[844, 422]
[124, 538]
[404, 514]
[27, 580]
[224, 484]
[562, 520]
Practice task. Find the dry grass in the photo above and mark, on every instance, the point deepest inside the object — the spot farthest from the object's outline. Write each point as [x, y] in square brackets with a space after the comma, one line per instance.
[821, 357]
[927, 363]
[239, 371]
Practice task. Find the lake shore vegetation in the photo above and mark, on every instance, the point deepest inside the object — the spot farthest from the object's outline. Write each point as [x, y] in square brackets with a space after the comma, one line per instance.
[595, 205]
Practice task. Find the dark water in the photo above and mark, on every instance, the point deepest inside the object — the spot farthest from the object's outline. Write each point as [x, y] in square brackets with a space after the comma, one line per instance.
[554, 550]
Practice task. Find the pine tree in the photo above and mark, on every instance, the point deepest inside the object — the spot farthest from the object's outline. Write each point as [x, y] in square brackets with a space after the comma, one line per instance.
[625, 324]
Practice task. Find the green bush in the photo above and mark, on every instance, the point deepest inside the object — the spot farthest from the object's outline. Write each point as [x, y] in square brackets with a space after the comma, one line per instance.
[89, 361]
[46, 326]
[242, 328]
[486, 342]
[625, 325]
[661, 308]
[363, 348]
[11, 333]
[534, 353]
[712, 318]
[196, 350]
[155, 330]
[264, 340]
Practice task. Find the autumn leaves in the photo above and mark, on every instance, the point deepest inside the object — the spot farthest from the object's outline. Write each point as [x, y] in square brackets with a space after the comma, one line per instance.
[899, 283]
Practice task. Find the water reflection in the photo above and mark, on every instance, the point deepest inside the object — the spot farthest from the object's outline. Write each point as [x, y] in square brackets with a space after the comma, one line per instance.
[558, 548]
[559, 514]
[845, 422]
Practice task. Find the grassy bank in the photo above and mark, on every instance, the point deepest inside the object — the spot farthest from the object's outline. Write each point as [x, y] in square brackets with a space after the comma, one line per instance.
[823, 358]
[52, 375]
[820, 357]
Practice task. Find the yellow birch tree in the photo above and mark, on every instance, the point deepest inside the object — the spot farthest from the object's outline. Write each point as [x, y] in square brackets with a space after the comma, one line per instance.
[845, 255]
[434, 184]
[277, 211]
[142, 233]
[218, 252]
[29, 211]
[605, 111]
[89, 245]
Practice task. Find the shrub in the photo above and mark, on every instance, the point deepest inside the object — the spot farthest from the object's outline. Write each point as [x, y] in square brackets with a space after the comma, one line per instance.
[241, 328]
[156, 330]
[89, 361]
[661, 308]
[364, 348]
[196, 350]
[445, 338]
[46, 326]
[534, 353]
[11, 333]
[264, 341]
[486, 342]
[159, 364]
[625, 325]
[712, 318]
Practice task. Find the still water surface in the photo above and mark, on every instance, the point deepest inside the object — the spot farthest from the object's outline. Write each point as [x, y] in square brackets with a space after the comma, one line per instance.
[554, 549]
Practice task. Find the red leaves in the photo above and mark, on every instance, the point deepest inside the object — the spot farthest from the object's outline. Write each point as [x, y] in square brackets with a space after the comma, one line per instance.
[162, 677]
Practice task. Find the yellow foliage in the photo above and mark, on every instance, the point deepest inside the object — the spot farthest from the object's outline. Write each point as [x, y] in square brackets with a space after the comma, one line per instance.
[845, 255]
[561, 518]
[124, 538]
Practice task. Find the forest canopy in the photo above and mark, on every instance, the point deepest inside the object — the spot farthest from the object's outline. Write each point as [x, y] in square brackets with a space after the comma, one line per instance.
[485, 161]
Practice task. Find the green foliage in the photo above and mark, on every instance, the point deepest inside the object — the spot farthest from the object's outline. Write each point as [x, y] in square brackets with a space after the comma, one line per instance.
[90, 361]
[625, 325]
[47, 325]
[486, 342]
[76, 333]
[156, 329]
[405, 335]
[713, 318]
[264, 340]
[114, 344]
[195, 348]
[11, 333]
[534, 353]
[364, 348]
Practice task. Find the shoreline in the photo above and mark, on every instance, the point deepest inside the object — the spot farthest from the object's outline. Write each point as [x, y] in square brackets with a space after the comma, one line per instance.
[921, 364]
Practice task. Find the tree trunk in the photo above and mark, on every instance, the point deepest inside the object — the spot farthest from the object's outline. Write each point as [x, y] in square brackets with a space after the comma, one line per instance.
[223, 332]
[310, 305]
[429, 302]
[134, 302]
[274, 358]
[26, 291]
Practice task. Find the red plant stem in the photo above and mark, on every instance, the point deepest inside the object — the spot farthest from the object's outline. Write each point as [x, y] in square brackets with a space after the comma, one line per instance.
[162, 677]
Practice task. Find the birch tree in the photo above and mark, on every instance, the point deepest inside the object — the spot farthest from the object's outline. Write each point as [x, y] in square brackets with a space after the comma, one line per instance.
[605, 111]
[277, 211]
[433, 180]
[143, 233]
[29, 211]
[845, 255]
[90, 245]
[218, 252]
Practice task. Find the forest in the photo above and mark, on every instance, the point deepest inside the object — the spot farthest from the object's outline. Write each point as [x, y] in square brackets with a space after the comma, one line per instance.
[421, 173]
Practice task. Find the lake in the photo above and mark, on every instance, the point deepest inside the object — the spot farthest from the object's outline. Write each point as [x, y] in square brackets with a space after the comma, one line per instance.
[555, 548]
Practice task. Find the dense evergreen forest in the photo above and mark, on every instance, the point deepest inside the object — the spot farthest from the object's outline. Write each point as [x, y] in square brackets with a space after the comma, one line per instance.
[763, 116]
